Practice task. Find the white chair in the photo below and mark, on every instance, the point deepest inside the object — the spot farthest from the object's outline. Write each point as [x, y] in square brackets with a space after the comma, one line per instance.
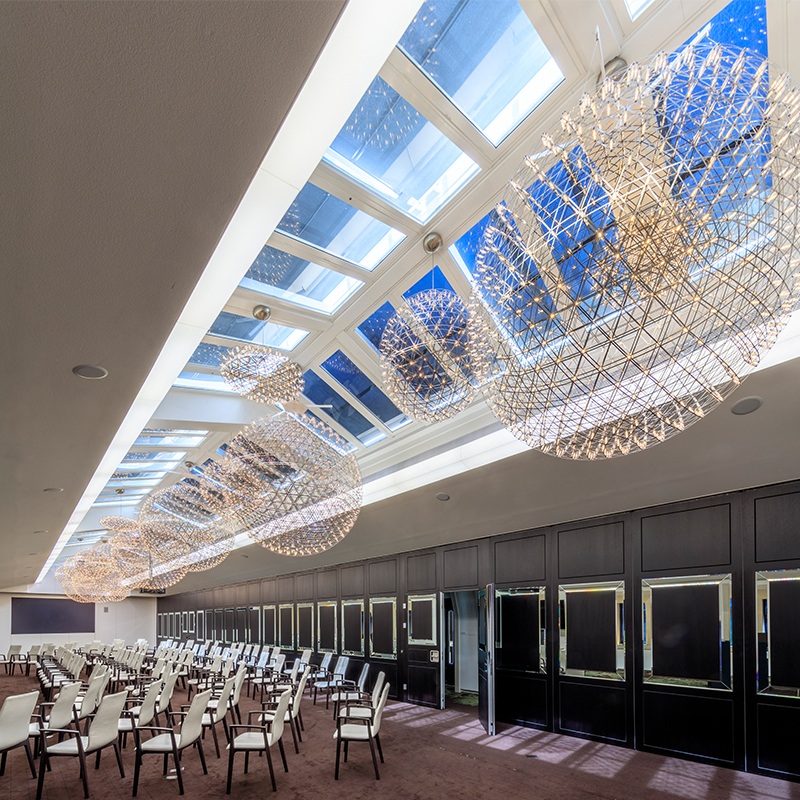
[365, 706]
[293, 715]
[15, 715]
[61, 713]
[167, 741]
[350, 690]
[334, 681]
[218, 711]
[102, 734]
[361, 729]
[11, 657]
[145, 712]
[259, 738]
[30, 657]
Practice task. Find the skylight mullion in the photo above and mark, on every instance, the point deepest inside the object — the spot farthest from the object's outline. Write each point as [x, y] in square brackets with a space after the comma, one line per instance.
[242, 302]
[453, 274]
[406, 78]
[308, 252]
[322, 413]
[337, 183]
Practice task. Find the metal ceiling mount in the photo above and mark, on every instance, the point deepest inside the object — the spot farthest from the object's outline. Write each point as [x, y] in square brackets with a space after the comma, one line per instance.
[262, 312]
[611, 69]
[432, 243]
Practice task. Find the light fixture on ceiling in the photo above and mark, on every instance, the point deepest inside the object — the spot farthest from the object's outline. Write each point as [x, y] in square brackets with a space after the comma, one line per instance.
[119, 524]
[432, 359]
[639, 267]
[262, 374]
[747, 405]
[89, 372]
[443, 496]
[432, 243]
[53, 489]
[262, 313]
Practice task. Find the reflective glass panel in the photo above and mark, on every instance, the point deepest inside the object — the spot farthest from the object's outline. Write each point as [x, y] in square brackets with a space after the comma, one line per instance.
[383, 627]
[319, 393]
[325, 221]
[486, 57]
[465, 249]
[521, 629]
[202, 380]
[353, 628]
[635, 7]
[208, 355]
[435, 279]
[337, 442]
[248, 329]
[372, 328]
[742, 23]
[345, 372]
[777, 600]
[167, 439]
[390, 148]
[297, 281]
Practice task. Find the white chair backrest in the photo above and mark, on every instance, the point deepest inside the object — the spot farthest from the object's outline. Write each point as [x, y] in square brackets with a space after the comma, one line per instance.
[376, 723]
[305, 658]
[14, 650]
[279, 662]
[192, 725]
[341, 666]
[166, 692]
[276, 651]
[262, 660]
[148, 708]
[376, 689]
[228, 668]
[15, 717]
[326, 662]
[48, 648]
[61, 712]
[238, 682]
[93, 694]
[295, 670]
[298, 695]
[362, 678]
[216, 664]
[34, 651]
[222, 704]
[276, 730]
[105, 726]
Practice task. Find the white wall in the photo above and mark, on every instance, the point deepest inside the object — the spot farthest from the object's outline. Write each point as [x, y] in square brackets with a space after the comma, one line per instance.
[130, 619]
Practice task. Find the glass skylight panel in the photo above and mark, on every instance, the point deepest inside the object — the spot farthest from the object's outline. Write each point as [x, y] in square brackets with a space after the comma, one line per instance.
[355, 423]
[390, 148]
[465, 250]
[326, 222]
[372, 328]
[202, 380]
[249, 329]
[742, 23]
[208, 355]
[635, 7]
[168, 439]
[297, 281]
[339, 443]
[345, 372]
[142, 461]
[486, 56]
[435, 279]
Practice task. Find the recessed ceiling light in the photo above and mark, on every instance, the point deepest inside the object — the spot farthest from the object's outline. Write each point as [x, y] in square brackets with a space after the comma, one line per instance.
[33, 554]
[53, 489]
[442, 496]
[90, 372]
[35, 532]
[747, 405]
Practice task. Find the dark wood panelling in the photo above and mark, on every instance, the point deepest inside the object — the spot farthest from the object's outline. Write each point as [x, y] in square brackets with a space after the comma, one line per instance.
[383, 577]
[304, 586]
[777, 526]
[521, 699]
[353, 581]
[286, 589]
[326, 584]
[520, 561]
[700, 537]
[254, 593]
[423, 683]
[421, 571]
[777, 742]
[269, 591]
[461, 568]
[597, 710]
[241, 594]
[697, 726]
[591, 551]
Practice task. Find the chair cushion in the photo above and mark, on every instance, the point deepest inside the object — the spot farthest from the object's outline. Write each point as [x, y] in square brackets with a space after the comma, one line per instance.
[356, 733]
[360, 712]
[252, 740]
[69, 747]
[160, 744]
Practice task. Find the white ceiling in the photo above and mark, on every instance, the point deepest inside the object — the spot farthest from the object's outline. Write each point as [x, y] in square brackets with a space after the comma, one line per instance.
[138, 131]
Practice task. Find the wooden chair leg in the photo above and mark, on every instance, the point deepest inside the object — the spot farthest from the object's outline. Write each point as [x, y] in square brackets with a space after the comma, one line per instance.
[28, 752]
[283, 755]
[137, 765]
[338, 751]
[42, 768]
[271, 770]
[230, 770]
[374, 759]
[119, 760]
[3, 762]
[84, 775]
[246, 761]
[346, 746]
[202, 756]
[294, 733]
[380, 749]
[214, 733]
[176, 757]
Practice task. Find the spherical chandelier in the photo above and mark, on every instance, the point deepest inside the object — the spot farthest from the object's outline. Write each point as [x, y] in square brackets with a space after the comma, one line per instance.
[140, 565]
[261, 374]
[118, 523]
[639, 267]
[276, 472]
[92, 576]
[432, 359]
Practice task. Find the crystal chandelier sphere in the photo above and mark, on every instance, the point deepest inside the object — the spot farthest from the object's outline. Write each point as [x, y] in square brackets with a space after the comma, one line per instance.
[92, 576]
[431, 357]
[262, 374]
[639, 267]
[284, 477]
[118, 523]
[140, 565]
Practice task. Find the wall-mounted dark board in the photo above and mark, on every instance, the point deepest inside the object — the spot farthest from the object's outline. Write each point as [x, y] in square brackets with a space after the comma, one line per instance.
[685, 631]
[304, 586]
[520, 561]
[598, 550]
[305, 627]
[784, 651]
[777, 526]
[286, 589]
[421, 572]
[46, 615]
[700, 537]
[422, 614]
[383, 629]
[327, 627]
[597, 710]
[353, 628]
[461, 568]
[270, 626]
[326, 584]
[286, 627]
[352, 579]
[699, 726]
[383, 577]
[591, 631]
[517, 632]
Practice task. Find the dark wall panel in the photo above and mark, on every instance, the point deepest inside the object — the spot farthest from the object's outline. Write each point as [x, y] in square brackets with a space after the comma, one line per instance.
[353, 581]
[461, 567]
[700, 537]
[784, 605]
[520, 699]
[269, 591]
[286, 589]
[304, 586]
[241, 594]
[305, 627]
[421, 572]
[520, 561]
[46, 615]
[591, 551]
[698, 726]
[591, 631]
[327, 627]
[326, 584]
[777, 746]
[383, 577]
[594, 710]
[777, 526]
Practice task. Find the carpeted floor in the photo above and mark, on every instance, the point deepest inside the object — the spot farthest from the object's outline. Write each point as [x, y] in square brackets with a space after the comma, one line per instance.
[429, 754]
